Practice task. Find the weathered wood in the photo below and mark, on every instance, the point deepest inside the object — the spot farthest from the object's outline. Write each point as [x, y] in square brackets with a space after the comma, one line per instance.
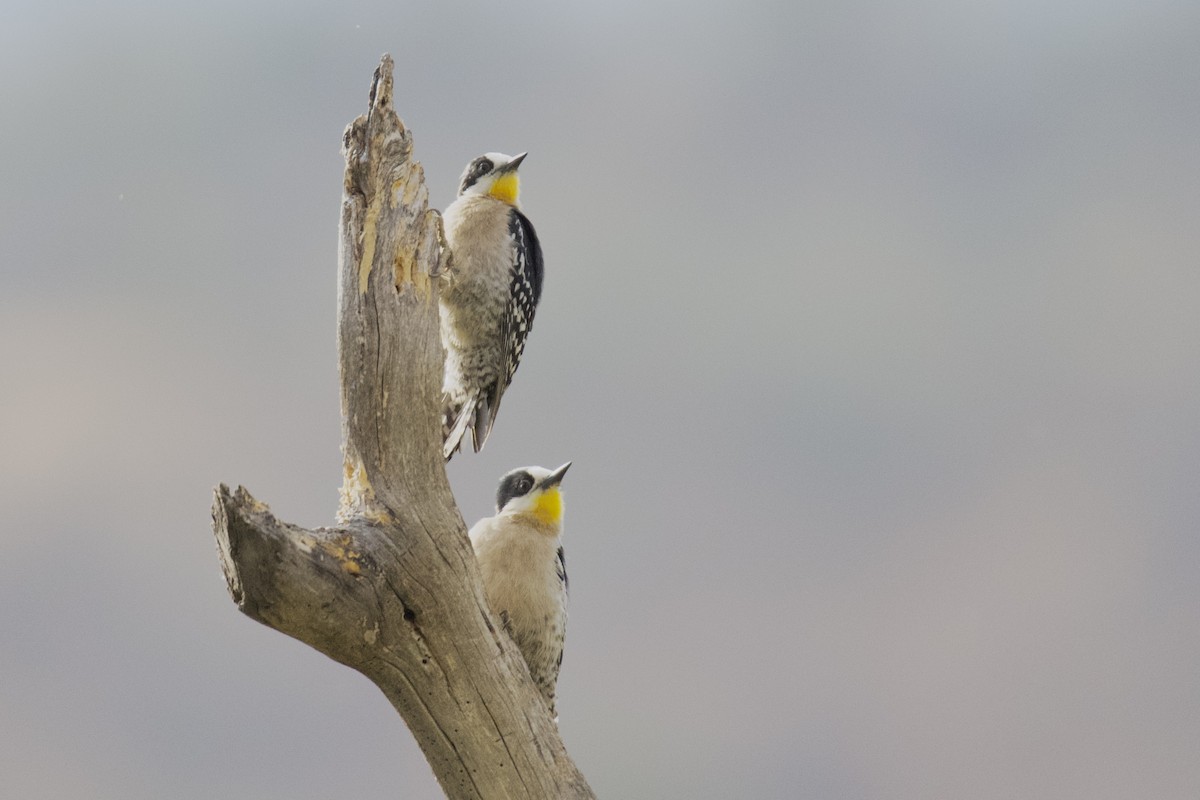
[394, 590]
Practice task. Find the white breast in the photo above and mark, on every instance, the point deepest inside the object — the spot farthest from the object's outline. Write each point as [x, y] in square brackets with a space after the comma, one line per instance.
[519, 565]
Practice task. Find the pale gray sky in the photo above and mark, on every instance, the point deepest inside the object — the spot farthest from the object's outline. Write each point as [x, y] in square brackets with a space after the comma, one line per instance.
[871, 330]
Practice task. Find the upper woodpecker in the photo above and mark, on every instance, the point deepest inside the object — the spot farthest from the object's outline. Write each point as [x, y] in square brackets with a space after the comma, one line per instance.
[487, 305]
[524, 570]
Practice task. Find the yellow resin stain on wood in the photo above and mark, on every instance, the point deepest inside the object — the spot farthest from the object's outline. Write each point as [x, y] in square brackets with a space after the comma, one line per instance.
[356, 486]
[358, 496]
[370, 228]
[340, 549]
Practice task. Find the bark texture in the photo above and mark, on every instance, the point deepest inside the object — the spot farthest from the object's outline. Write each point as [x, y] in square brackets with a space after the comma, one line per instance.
[393, 591]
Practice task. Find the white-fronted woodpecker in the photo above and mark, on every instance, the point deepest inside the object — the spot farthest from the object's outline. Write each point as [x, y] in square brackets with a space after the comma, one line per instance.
[487, 305]
[524, 570]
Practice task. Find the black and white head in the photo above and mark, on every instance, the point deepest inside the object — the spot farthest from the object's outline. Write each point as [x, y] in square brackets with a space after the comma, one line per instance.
[493, 175]
[535, 491]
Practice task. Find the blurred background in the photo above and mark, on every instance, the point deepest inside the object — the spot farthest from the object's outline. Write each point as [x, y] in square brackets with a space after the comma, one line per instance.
[872, 330]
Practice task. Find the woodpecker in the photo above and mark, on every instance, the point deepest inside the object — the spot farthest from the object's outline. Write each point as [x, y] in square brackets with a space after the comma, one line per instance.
[494, 284]
[524, 570]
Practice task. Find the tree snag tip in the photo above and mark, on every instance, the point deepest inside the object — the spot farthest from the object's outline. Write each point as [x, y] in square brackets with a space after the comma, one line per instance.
[381, 86]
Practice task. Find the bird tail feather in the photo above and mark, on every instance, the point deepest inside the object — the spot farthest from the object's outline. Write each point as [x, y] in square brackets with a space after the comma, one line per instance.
[482, 425]
[455, 424]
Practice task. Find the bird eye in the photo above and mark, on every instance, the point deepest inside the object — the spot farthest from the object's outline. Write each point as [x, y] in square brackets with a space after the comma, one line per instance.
[524, 485]
[483, 167]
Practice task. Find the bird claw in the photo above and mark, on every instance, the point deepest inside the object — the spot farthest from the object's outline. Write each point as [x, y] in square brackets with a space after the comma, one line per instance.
[445, 267]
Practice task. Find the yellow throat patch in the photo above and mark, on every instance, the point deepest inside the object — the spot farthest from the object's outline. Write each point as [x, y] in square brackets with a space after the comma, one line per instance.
[506, 188]
[548, 508]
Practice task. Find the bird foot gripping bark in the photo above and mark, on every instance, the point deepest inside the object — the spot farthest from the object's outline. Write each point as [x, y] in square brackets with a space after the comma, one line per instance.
[445, 266]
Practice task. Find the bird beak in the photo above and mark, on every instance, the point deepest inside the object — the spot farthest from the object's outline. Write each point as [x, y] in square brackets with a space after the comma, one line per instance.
[555, 478]
[512, 165]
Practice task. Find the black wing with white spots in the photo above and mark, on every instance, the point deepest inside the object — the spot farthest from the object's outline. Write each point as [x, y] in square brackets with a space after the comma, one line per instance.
[562, 569]
[525, 290]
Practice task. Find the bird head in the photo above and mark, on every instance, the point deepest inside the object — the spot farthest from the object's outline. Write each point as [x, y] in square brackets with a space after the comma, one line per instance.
[493, 175]
[534, 491]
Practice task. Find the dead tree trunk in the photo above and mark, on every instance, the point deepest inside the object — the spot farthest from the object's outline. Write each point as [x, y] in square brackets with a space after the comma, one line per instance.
[394, 590]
